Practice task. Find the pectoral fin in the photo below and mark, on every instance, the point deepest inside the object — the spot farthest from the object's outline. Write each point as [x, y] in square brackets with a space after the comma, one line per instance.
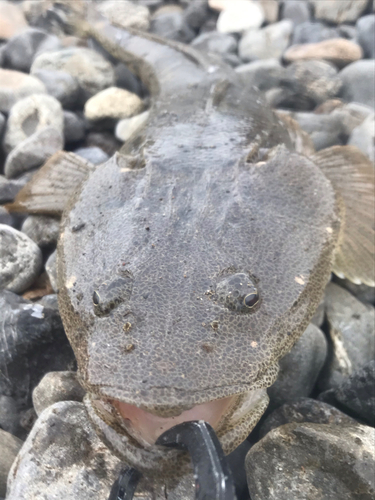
[353, 177]
[51, 187]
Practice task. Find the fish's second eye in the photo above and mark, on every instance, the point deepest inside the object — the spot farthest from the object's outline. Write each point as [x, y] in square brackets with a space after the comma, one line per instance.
[251, 299]
[95, 298]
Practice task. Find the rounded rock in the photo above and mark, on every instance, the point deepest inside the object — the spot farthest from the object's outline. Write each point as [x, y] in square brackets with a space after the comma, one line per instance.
[10, 446]
[30, 115]
[267, 43]
[94, 155]
[263, 74]
[60, 85]
[337, 11]
[128, 126]
[12, 20]
[313, 32]
[20, 260]
[126, 14]
[239, 16]
[172, 25]
[366, 35]
[74, 127]
[114, 103]
[295, 10]
[15, 86]
[218, 43]
[358, 83]
[42, 229]
[363, 137]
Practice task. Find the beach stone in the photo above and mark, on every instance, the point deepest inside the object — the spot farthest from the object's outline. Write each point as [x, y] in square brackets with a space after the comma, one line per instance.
[52, 271]
[125, 79]
[9, 416]
[21, 49]
[338, 11]
[12, 20]
[126, 14]
[6, 218]
[15, 86]
[362, 292]
[114, 103]
[239, 16]
[9, 446]
[128, 126]
[352, 115]
[270, 9]
[337, 51]
[10, 187]
[42, 229]
[295, 10]
[300, 368]
[218, 43]
[304, 410]
[263, 74]
[33, 151]
[74, 127]
[196, 14]
[325, 130]
[31, 115]
[50, 460]
[313, 32]
[92, 71]
[94, 155]
[20, 260]
[60, 85]
[363, 137]
[267, 43]
[358, 82]
[366, 35]
[313, 461]
[172, 25]
[55, 387]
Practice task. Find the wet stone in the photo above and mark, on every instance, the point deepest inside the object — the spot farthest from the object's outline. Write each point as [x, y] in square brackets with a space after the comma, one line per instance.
[15, 86]
[94, 155]
[239, 16]
[60, 85]
[358, 83]
[20, 260]
[337, 11]
[366, 35]
[218, 43]
[74, 127]
[113, 103]
[263, 74]
[172, 25]
[312, 32]
[42, 229]
[9, 446]
[269, 42]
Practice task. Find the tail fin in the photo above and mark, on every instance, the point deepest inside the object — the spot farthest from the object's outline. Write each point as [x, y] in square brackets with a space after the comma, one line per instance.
[353, 177]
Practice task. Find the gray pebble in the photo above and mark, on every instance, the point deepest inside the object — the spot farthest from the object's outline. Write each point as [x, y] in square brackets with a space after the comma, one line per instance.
[325, 130]
[9, 446]
[20, 260]
[30, 115]
[15, 86]
[33, 151]
[366, 35]
[55, 387]
[10, 187]
[94, 155]
[295, 10]
[312, 32]
[125, 79]
[5, 217]
[300, 368]
[52, 271]
[196, 14]
[21, 49]
[363, 293]
[42, 229]
[337, 11]
[363, 137]
[74, 127]
[358, 82]
[269, 42]
[218, 43]
[172, 25]
[60, 85]
[9, 416]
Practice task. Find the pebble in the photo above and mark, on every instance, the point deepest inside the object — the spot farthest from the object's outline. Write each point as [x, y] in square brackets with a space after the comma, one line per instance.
[10, 187]
[313, 461]
[42, 229]
[172, 25]
[351, 333]
[9, 446]
[239, 16]
[33, 151]
[126, 14]
[9, 416]
[358, 82]
[21, 49]
[267, 43]
[125, 79]
[312, 32]
[363, 136]
[12, 20]
[20, 260]
[64, 470]
[300, 368]
[352, 115]
[6, 218]
[337, 11]
[196, 14]
[366, 35]
[94, 155]
[218, 43]
[52, 271]
[74, 127]
[270, 9]
[113, 103]
[15, 86]
[363, 293]
[128, 126]
[263, 74]
[60, 85]
[103, 140]
[295, 10]
[31, 115]
[325, 130]
[337, 51]
[92, 71]
[55, 387]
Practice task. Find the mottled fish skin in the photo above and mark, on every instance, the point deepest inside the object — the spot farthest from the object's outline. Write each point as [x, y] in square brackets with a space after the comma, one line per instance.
[144, 282]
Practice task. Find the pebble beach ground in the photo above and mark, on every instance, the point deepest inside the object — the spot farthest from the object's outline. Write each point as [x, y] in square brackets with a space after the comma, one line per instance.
[314, 62]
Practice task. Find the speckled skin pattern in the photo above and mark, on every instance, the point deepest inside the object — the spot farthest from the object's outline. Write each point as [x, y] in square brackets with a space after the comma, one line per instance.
[142, 281]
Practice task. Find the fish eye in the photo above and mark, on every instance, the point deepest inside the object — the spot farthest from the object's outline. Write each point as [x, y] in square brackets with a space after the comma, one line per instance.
[251, 299]
[96, 298]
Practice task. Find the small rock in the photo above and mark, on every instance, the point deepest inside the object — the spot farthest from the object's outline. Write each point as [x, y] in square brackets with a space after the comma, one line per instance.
[92, 71]
[125, 79]
[295, 10]
[363, 293]
[351, 332]
[94, 155]
[10, 446]
[27, 420]
[304, 410]
[60, 85]
[366, 35]
[9, 417]
[300, 368]
[15, 86]
[270, 9]
[239, 16]
[128, 126]
[5, 217]
[269, 42]
[217, 43]
[20, 260]
[347, 31]
[74, 127]
[328, 106]
[64, 470]
[352, 115]
[196, 14]
[312, 32]
[172, 25]
[358, 83]
[363, 137]
[126, 14]
[42, 229]
[324, 130]
[55, 387]
[21, 49]
[52, 271]
[313, 461]
[103, 140]
[12, 20]
[337, 11]
[10, 187]
[30, 115]
[114, 103]
[33, 151]
[263, 74]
